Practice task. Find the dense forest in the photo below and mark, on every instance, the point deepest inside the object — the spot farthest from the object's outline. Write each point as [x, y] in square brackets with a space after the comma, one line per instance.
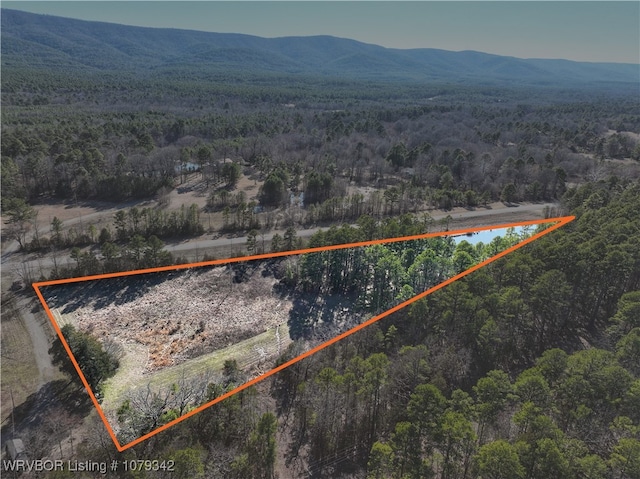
[528, 368]
[449, 152]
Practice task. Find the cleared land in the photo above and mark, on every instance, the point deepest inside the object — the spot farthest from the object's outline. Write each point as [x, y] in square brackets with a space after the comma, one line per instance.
[168, 328]
[174, 317]
[180, 327]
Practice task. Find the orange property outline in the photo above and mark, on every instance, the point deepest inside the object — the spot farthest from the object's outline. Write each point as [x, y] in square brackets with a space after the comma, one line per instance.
[559, 222]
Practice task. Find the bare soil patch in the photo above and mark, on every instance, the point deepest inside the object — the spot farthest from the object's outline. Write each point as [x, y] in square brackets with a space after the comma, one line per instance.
[83, 213]
[631, 134]
[193, 190]
[250, 186]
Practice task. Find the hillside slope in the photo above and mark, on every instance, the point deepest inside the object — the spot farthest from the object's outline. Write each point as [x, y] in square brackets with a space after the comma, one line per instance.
[49, 42]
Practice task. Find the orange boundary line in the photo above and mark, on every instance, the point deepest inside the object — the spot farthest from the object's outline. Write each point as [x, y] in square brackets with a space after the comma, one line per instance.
[559, 222]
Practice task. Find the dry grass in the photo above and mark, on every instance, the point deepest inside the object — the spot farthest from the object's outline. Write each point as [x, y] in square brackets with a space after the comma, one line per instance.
[254, 356]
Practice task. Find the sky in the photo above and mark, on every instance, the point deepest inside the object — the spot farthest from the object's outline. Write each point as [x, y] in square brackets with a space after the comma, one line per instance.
[603, 31]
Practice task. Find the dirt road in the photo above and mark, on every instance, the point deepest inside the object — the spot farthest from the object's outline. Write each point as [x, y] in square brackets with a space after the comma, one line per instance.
[39, 330]
[194, 249]
[498, 209]
[460, 218]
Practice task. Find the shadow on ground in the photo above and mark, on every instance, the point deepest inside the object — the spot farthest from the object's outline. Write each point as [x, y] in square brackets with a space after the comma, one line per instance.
[56, 403]
[319, 316]
[103, 292]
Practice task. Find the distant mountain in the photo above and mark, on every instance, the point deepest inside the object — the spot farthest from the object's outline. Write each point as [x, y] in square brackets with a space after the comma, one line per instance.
[43, 41]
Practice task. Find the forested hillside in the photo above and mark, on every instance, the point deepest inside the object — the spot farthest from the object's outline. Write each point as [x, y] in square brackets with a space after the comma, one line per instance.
[59, 44]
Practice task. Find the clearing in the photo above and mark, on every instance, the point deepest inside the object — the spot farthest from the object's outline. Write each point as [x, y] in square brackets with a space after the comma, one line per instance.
[180, 324]
[176, 316]
[181, 327]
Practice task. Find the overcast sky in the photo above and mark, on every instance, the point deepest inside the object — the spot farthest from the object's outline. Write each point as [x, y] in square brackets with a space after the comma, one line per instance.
[576, 30]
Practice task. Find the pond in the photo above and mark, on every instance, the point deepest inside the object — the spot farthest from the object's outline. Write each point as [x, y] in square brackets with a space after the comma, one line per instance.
[485, 236]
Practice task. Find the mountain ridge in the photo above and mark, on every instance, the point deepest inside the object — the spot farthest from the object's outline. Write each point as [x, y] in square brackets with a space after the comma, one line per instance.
[47, 41]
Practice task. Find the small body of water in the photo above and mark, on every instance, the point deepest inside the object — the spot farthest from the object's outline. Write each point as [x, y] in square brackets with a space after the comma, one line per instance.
[485, 236]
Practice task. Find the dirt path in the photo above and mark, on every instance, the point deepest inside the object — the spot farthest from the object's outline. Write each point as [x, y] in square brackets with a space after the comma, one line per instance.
[39, 330]
[495, 209]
